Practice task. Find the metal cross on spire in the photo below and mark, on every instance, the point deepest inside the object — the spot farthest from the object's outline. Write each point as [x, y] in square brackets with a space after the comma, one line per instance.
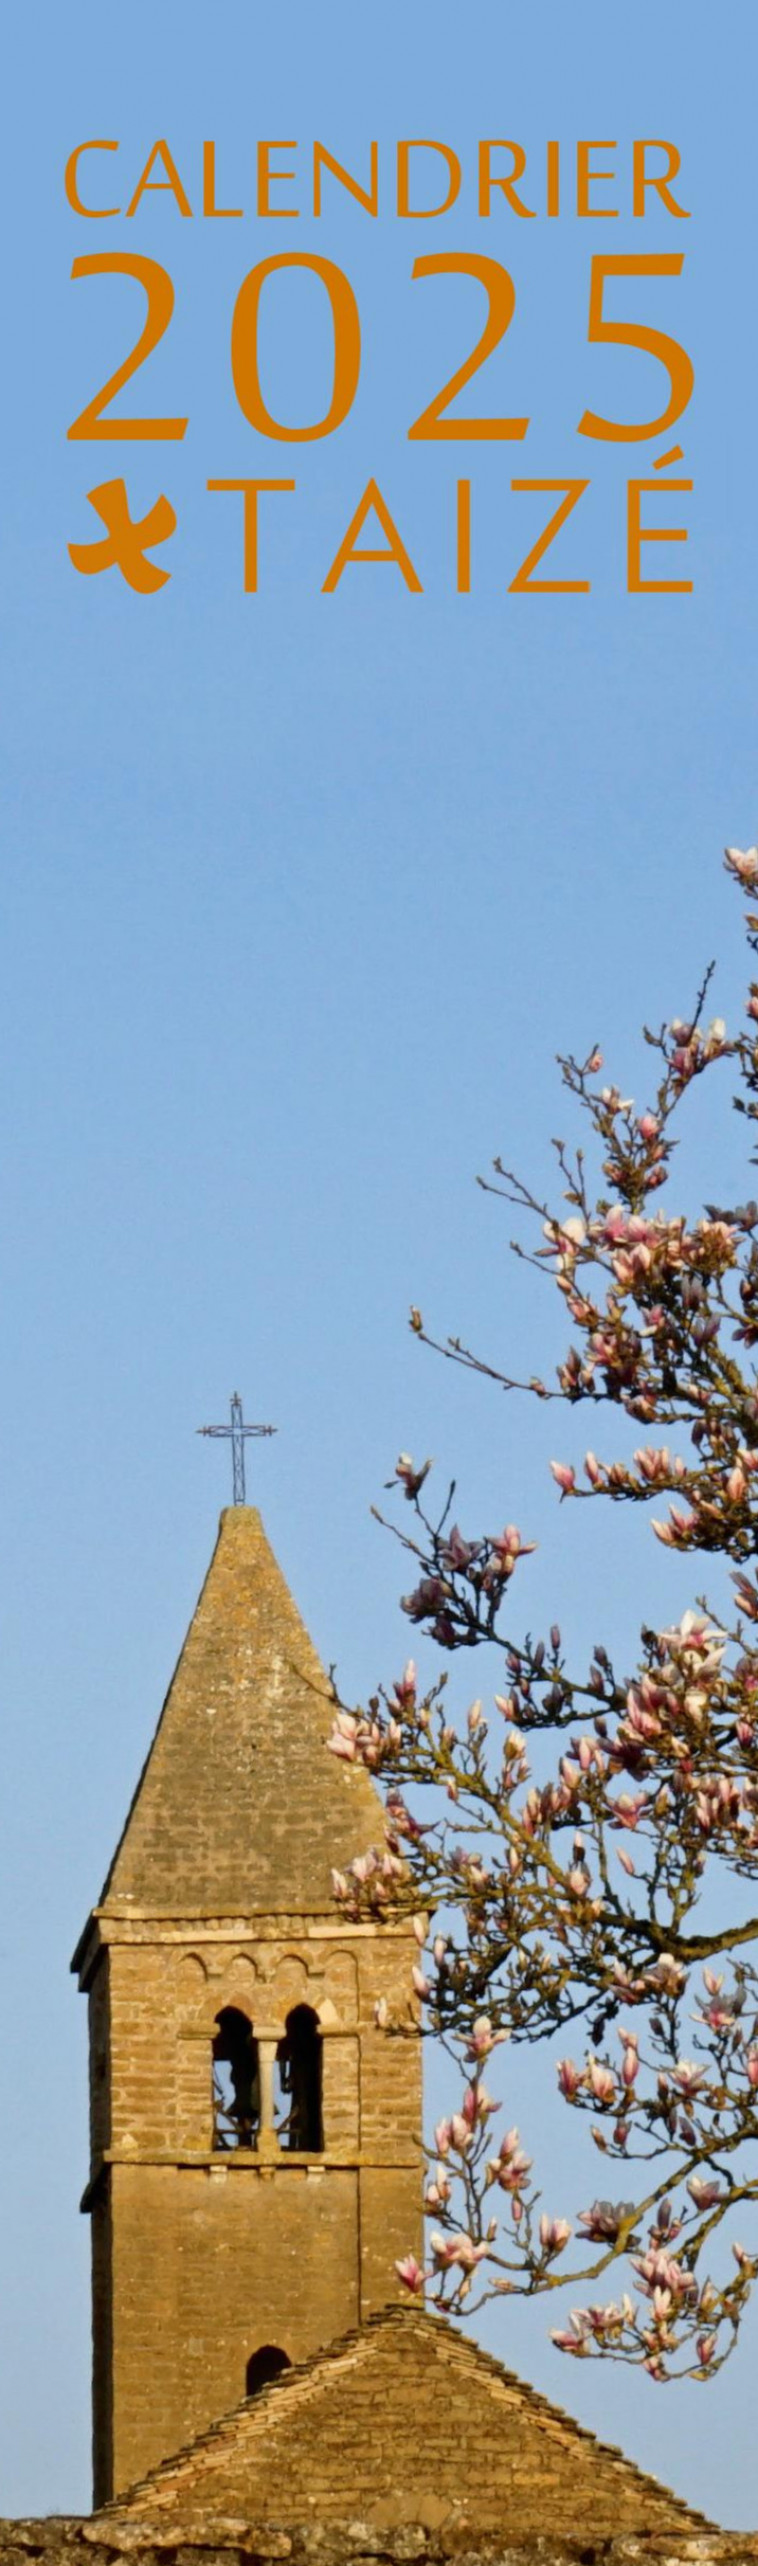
[235, 1434]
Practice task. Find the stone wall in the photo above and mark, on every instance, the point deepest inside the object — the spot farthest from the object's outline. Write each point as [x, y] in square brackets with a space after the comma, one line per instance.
[238, 2543]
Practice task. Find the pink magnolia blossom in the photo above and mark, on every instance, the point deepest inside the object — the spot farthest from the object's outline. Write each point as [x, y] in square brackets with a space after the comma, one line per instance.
[411, 2274]
[743, 863]
[688, 2078]
[508, 1546]
[411, 1479]
[484, 2038]
[703, 2193]
[461, 2250]
[554, 2234]
[601, 2081]
[439, 2191]
[667, 1974]
[485, 2105]
[511, 2166]
[568, 2341]
[343, 1737]
[604, 2221]
[627, 1811]
[662, 1532]
[630, 2063]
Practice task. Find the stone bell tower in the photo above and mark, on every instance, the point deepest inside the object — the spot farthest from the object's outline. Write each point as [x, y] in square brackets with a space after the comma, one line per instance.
[255, 2138]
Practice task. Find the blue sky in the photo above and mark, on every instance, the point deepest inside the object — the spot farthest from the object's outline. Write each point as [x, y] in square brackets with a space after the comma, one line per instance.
[301, 894]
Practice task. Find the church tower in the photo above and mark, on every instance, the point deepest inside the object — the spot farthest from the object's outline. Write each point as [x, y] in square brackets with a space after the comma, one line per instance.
[255, 2138]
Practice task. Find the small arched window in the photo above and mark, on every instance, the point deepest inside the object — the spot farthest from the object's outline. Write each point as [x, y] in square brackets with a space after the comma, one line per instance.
[263, 2365]
[300, 2126]
[236, 2084]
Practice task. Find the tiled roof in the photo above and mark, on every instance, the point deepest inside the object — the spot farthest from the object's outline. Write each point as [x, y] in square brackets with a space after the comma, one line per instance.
[405, 2418]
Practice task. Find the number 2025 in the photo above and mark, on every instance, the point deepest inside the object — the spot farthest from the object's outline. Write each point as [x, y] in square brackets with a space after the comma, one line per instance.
[433, 421]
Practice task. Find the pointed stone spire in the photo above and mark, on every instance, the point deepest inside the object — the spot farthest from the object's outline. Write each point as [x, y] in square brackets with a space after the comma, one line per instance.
[240, 1809]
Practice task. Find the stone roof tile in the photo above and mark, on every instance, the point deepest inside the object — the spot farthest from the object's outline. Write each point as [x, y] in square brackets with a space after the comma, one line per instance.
[239, 1809]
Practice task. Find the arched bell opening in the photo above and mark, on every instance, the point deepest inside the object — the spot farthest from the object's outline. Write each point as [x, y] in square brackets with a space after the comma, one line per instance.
[263, 2365]
[236, 2081]
[299, 2062]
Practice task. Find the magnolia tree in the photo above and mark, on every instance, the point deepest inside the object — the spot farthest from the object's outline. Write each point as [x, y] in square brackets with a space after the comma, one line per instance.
[577, 1855]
